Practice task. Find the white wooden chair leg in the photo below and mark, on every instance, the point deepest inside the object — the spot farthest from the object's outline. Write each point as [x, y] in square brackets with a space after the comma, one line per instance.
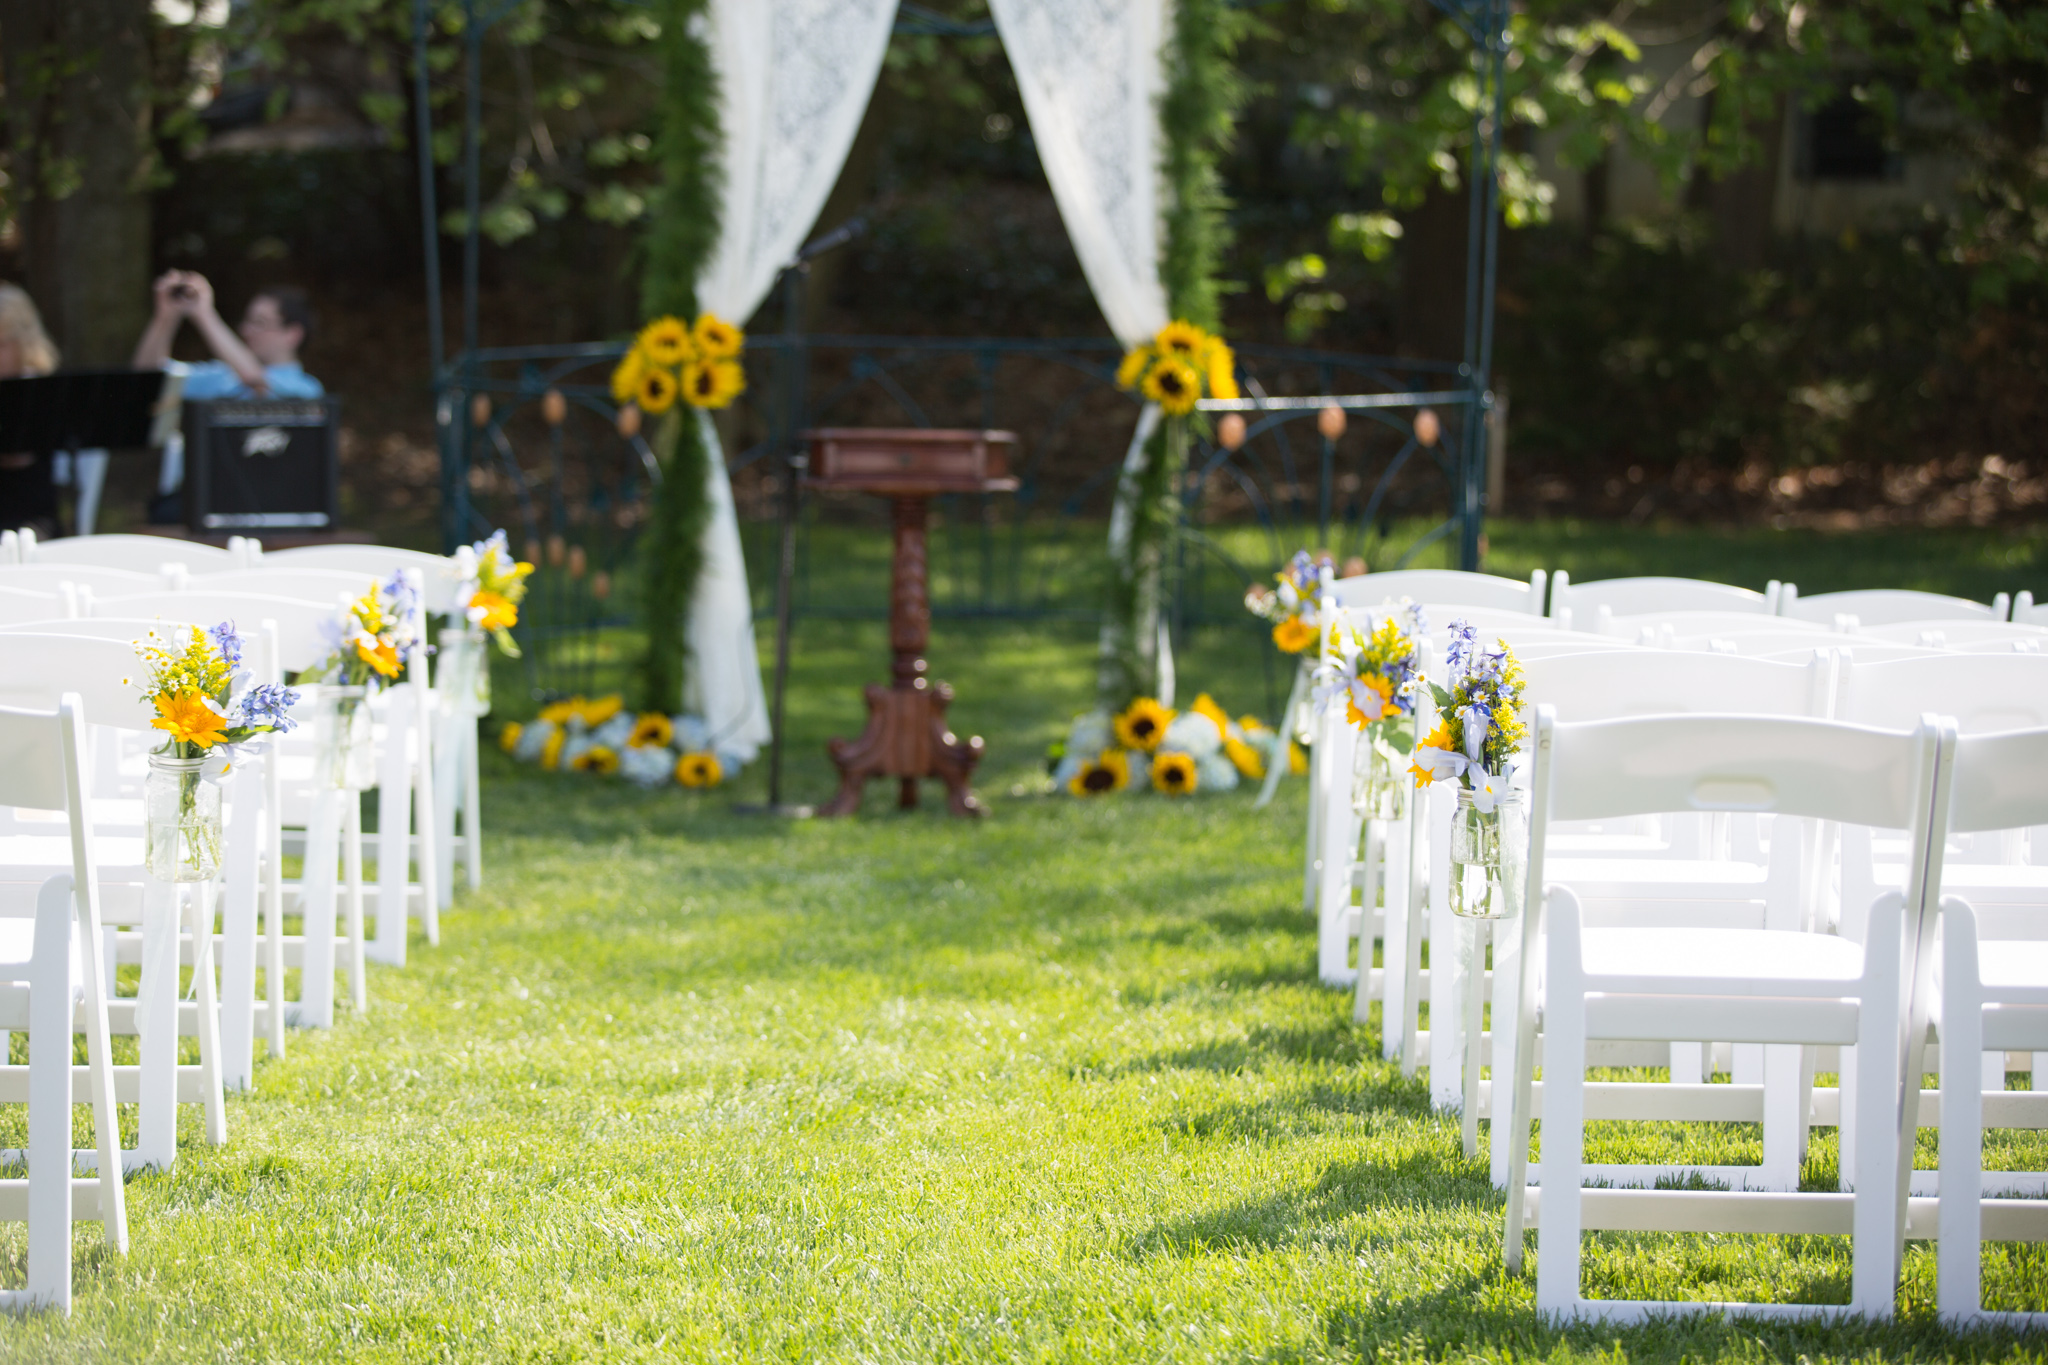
[210, 1072]
[1564, 1093]
[1472, 973]
[447, 788]
[429, 835]
[238, 932]
[316, 922]
[358, 983]
[106, 1128]
[472, 804]
[49, 1106]
[394, 829]
[156, 1024]
[273, 908]
[1959, 1259]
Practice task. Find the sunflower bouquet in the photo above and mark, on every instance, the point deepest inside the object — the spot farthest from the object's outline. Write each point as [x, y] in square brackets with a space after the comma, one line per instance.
[204, 707]
[1179, 367]
[374, 637]
[602, 736]
[1377, 675]
[493, 606]
[671, 359]
[1178, 753]
[1476, 745]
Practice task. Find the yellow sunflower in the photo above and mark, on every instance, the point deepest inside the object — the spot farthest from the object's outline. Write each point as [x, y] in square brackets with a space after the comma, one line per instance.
[657, 392]
[1221, 372]
[551, 752]
[596, 759]
[1181, 338]
[1378, 707]
[500, 612]
[652, 731]
[699, 770]
[557, 713]
[1136, 361]
[626, 378]
[1247, 760]
[1173, 774]
[666, 342]
[1174, 386]
[187, 718]
[1111, 772]
[1294, 635]
[713, 384]
[508, 738]
[1205, 705]
[716, 338]
[1143, 724]
[596, 713]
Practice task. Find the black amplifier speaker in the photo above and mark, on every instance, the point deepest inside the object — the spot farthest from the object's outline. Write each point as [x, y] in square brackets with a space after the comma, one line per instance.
[262, 464]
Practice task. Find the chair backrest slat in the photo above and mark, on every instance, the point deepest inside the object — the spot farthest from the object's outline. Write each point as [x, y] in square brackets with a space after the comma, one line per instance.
[303, 625]
[1889, 606]
[1650, 682]
[32, 760]
[1984, 692]
[443, 575]
[138, 554]
[2001, 781]
[1444, 587]
[1641, 596]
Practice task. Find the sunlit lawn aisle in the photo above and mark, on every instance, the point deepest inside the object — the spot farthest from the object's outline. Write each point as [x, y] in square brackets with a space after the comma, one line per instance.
[679, 1084]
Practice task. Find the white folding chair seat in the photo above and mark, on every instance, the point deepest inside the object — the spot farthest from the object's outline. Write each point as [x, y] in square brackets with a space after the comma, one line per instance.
[1443, 587]
[51, 985]
[21, 604]
[1889, 606]
[1590, 606]
[137, 554]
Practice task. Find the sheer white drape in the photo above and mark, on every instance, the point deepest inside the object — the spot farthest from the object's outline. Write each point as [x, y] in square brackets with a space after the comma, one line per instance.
[1089, 72]
[794, 77]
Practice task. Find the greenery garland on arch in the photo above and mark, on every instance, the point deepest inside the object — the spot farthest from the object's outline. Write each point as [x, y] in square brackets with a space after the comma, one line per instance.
[1197, 114]
[682, 234]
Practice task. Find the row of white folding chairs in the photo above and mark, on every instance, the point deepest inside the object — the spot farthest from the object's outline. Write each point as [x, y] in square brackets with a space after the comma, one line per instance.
[64, 578]
[1792, 985]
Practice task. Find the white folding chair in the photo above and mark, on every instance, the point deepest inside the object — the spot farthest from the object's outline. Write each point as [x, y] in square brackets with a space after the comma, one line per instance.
[2025, 612]
[1889, 606]
[1952, 634]
[1993, 999]
[60, 578]
[175, 922]
[137, 554]
[442, 577]
[1779, 985]
[1589, 605]
[52, 984]
[19, 604]
[1443, 587]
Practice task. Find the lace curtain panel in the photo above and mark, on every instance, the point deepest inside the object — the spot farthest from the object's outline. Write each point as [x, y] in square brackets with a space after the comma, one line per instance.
[1089, 72]
[794, 78]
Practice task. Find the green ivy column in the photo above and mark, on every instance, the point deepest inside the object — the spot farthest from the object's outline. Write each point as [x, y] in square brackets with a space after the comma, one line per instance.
[682, 233]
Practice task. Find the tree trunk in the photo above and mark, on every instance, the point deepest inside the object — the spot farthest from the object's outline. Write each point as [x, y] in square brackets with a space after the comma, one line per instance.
[78, 124]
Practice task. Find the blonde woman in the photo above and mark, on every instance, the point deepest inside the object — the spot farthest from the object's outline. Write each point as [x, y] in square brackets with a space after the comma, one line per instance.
[28, 493]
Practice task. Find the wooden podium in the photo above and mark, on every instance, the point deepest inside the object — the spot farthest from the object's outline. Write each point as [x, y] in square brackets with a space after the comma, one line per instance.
[906, 737]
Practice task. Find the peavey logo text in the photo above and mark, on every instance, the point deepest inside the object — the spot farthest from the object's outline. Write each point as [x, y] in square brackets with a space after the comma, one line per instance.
[266, 441]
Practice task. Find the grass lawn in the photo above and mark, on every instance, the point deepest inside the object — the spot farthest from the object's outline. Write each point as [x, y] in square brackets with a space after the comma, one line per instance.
[684, 1084]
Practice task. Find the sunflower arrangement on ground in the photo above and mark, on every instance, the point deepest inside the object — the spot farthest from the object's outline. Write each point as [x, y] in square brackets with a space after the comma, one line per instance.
[1479, 728]
[599, 735]
[671, 359]
[1176, 753]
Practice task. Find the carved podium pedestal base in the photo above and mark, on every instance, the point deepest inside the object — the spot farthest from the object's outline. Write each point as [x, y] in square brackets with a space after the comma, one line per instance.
[906, 738]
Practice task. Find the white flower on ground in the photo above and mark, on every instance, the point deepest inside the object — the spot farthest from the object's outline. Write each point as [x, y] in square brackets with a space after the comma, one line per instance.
[1215, 773]
[1194, 734]
[533, 740]
[648, 767]
[614, 733]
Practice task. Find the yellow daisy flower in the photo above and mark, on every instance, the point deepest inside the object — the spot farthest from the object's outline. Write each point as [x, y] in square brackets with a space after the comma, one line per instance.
[187, 718]
[1173, 774]
[1294, 635]
[713, 384]
[1174, 386]
[500, 612]
[716, 338]
[652, 731]
[1143, 724]
[657, 392]
[666, 342]
[381, 655]
[699, 770]
[1374, 710]
[1111, 772]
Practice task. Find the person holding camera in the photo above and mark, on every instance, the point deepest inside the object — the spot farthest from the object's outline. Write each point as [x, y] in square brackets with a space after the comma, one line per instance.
[258, 359]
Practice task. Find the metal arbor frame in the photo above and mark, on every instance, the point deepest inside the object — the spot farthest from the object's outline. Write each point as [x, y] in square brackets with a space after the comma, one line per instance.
[466, 427]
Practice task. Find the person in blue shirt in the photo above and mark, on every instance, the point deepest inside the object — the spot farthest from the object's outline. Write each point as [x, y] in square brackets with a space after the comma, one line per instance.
[259, 359]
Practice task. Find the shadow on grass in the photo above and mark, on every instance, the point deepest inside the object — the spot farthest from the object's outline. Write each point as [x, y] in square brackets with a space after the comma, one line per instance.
[1490, 1316]
[1337, 1041]
[1308, 1107]
[1290, 1218]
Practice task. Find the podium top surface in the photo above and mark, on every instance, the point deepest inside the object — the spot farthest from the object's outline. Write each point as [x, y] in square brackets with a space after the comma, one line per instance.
[911, 461]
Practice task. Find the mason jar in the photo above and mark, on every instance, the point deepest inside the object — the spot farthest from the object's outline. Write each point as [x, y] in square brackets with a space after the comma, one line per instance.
[465, 673]
[1489, 854]
[181, 820]
[341, 737]
[1379, 780]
